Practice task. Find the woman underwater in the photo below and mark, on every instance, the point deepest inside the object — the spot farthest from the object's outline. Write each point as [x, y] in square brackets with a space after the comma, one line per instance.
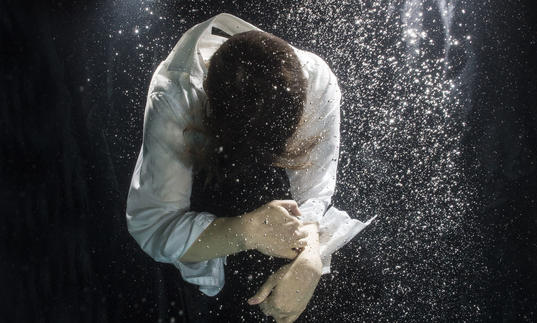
[238, 162]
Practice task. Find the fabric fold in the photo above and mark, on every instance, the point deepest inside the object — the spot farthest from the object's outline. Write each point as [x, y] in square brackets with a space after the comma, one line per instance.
[336, 229]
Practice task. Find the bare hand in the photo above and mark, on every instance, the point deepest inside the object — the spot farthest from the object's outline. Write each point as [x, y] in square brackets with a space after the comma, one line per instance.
[287, 292]
[274, 230]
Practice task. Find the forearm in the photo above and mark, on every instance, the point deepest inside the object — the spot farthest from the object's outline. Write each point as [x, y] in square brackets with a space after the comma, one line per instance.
[224, 236]
[286, 292]
[270, 229]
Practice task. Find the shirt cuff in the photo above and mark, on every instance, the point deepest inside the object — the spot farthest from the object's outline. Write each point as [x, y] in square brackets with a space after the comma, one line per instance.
[336, 229]
[208, 274]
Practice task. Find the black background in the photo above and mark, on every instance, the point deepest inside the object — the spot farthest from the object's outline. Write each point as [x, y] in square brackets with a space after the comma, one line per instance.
[72, 96]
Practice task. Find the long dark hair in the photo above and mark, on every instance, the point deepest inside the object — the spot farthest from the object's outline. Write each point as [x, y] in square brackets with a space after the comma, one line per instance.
[256, 94]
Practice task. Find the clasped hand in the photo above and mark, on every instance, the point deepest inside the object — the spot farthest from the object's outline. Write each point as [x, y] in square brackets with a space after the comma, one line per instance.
[274, 230]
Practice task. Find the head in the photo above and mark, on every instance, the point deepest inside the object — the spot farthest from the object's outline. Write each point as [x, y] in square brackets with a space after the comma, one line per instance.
[256, 94]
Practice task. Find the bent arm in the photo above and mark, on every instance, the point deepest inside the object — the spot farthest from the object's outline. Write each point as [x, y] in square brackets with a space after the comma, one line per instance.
[158, 203]
[159, 199]
[224, 236]
[271, 229]
[314, 186]
[158, 215]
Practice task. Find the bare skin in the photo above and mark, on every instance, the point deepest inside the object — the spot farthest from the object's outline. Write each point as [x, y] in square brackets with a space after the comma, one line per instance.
[287, 292]
[272, 229]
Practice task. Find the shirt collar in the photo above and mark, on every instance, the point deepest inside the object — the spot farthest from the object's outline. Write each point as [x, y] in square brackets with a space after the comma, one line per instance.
[198, 44]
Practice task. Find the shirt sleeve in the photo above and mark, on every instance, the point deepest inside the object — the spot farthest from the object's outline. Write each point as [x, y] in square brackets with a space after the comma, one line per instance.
[158, 203]
[314, 186]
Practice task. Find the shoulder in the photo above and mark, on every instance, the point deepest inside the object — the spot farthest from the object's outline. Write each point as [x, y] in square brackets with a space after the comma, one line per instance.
[321, 111]
[173, 106]
[323, 94]
[168, 83]
[163, 116]
[173, 90]
[316, 70]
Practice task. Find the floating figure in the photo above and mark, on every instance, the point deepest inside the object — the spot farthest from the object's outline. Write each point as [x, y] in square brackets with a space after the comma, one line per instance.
[240, 152]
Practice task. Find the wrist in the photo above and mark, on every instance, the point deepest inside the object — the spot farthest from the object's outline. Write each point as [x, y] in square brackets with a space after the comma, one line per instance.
[245, 232]
[313, 235]
[311, 253]
[310, 258]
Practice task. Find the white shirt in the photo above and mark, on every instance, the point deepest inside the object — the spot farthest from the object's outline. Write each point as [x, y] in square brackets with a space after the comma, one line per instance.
[158, 215]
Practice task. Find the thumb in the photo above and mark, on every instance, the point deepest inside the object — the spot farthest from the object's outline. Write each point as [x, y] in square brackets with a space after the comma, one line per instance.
[262, 293]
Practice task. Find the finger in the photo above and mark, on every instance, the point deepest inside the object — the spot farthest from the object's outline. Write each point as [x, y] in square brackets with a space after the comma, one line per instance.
[300, 234]
[300, 244]
[291, 220]
[291, 206]
[298, 239]
[289, 253]
[294, 210]
[263, 292]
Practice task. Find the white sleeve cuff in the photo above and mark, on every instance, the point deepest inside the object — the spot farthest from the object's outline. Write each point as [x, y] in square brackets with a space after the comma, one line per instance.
[208, 274]
[336, 229]
[326, 260]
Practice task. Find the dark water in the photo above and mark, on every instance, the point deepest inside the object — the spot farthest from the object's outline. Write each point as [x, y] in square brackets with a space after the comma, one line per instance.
[438, 139]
